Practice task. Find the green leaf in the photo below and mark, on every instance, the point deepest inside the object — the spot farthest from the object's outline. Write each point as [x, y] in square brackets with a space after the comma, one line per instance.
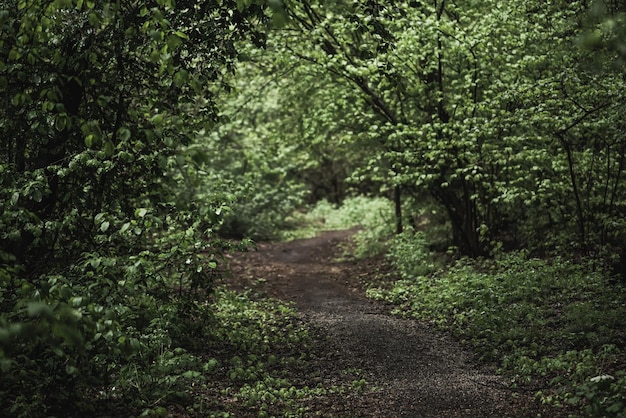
[135, 344]
[123, 134]
[61, 122]
[157, 119]
[124, 227]
[173, 42]
[94, 19]
[109, 148]
[191, 374]
[18, 99]
[181, 77]
[39, 309]
[36, 196]
[104, 226]
[181, 35]
[47, 106]
[157, 35]
[14, 54]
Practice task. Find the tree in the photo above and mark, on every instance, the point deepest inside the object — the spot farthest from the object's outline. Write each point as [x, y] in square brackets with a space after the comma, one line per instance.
[103, 203]
[464, 103]
[424, 71]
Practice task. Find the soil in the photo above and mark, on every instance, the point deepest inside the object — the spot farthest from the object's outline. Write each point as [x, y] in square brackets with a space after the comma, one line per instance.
[411, 369]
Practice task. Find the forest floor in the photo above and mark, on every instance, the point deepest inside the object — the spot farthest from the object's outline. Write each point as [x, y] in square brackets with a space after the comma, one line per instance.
[411, 369]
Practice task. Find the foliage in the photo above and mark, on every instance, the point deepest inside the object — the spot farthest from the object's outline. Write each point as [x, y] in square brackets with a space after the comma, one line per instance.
[260, 352]
[369, 215]
[410, 254]
[128, 147]
[354, 211]
[106, 222]
[277, 143]
[261, 348]
[544, 321]
[198, 355]
[250, 161]
[493, 110]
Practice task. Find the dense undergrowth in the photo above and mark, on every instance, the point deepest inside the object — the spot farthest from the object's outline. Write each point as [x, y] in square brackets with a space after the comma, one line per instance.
[372, 216]
[150, 341]
[554, 326]
[231, 355]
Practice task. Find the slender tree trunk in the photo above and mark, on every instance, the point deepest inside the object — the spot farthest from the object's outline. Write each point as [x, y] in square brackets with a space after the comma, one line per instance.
[579, 207]
[397, 199]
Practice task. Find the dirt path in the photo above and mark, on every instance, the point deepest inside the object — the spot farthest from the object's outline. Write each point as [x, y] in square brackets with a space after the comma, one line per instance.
[418, 372]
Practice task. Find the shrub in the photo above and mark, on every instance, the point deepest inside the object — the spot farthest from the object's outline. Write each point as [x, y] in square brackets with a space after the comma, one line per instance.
[409, 253]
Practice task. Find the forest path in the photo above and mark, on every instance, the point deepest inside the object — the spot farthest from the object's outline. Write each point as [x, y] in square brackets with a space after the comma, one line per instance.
[416, 370]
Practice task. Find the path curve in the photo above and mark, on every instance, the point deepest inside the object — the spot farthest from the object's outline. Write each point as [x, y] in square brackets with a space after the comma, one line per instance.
[419, 372]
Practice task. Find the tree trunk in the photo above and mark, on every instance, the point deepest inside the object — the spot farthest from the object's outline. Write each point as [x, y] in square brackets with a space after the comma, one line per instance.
[464, 221]
[397, 199]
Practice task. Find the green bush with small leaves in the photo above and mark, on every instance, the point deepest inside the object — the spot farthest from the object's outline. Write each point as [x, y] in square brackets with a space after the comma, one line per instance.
[410, 254]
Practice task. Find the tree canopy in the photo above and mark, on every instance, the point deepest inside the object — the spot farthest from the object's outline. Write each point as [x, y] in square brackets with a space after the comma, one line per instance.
[502, 114]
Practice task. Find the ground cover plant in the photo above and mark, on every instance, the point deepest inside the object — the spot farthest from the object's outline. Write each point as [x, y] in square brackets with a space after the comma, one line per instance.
[226, 356]
[260, 361]
[553, 326]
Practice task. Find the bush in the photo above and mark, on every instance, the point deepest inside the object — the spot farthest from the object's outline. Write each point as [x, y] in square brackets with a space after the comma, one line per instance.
[410, 255]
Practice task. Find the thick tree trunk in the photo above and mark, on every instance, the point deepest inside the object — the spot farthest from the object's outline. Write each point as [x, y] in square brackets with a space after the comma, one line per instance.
[464, 221]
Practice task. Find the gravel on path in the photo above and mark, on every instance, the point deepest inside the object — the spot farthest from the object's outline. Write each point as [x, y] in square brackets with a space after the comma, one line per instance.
[416, 370]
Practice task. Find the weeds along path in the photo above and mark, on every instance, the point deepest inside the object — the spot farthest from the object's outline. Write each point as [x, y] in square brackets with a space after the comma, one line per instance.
[415, 371]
